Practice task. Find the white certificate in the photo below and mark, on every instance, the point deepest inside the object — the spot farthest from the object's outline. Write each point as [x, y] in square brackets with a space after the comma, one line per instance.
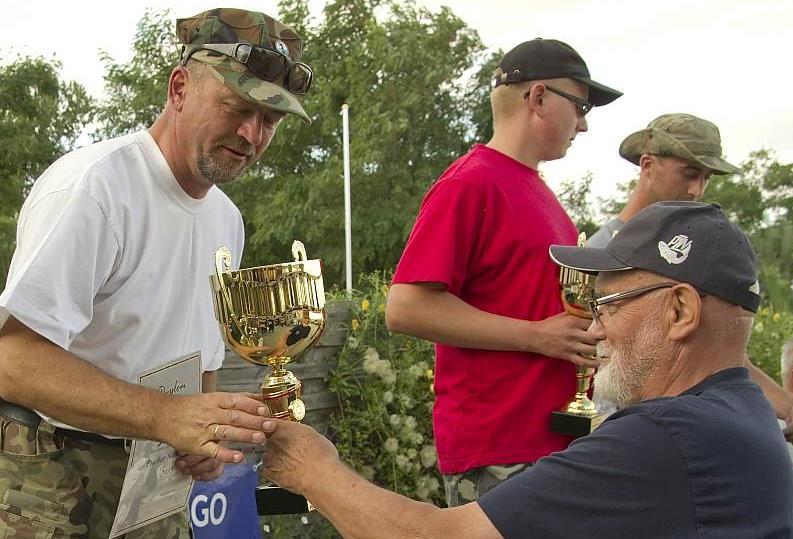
[153, 487]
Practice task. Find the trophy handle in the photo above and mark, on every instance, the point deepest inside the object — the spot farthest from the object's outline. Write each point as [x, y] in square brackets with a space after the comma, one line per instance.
[223, 265]
[299, 251]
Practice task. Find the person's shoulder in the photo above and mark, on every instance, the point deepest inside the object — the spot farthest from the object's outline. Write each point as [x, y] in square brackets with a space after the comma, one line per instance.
[80, 166]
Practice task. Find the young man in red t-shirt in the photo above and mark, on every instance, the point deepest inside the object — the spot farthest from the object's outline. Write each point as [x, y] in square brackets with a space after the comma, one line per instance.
[476, 277]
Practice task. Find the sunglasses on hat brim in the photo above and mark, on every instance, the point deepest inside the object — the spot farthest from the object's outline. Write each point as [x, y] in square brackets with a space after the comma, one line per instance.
[267, 64]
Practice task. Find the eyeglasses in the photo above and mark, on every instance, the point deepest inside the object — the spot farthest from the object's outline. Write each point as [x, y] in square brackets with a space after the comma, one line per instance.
[582, 106]
[596, 304]
[267, 64]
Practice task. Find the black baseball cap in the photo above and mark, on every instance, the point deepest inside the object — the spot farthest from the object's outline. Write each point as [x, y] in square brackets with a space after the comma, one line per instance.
[551, 59]
[690, 242]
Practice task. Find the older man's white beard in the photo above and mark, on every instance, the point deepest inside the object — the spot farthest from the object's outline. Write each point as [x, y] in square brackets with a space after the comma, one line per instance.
[630, 365]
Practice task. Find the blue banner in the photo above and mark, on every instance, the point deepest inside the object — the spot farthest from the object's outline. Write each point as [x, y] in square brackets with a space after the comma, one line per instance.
[226, 507]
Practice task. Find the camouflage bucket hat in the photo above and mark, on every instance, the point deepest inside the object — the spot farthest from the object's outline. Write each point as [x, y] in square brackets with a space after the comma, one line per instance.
[679, 135]
[228, 25]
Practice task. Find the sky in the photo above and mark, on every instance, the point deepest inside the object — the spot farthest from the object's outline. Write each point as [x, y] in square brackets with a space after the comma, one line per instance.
[723, 60]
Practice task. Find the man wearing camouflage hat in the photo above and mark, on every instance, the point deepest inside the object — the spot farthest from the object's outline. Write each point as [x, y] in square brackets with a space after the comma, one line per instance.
[676, 154]
[109, 280]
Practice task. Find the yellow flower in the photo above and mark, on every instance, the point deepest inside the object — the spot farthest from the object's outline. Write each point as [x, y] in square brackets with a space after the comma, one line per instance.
[355, 324]
[385, 289]
[777, 317]
[381, 308]
[764, 311]
[365, 305]
[432, 388]
[429, 374]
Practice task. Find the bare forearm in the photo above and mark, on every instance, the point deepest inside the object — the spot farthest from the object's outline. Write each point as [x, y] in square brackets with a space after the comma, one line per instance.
[361, 510]
[441, 317]
[38, 374]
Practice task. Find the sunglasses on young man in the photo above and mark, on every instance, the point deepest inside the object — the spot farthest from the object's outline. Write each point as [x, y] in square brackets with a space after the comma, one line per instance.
[582, 106]
[267, 64]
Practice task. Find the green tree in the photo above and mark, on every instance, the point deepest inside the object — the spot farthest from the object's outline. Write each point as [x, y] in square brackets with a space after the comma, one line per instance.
[575, 197]
[400, 73]
[136, 90]
[40, 120]
[411, 78]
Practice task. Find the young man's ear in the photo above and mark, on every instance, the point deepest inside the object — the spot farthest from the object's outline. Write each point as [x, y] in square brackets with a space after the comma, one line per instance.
[535, 98]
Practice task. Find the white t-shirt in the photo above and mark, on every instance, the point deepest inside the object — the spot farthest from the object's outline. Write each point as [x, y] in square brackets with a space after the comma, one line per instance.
[113, 259]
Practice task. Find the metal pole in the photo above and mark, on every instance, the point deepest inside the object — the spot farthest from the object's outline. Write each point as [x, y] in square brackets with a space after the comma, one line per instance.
[345, 115]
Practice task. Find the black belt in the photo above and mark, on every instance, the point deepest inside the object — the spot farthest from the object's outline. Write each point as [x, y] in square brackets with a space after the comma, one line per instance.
[32, 420]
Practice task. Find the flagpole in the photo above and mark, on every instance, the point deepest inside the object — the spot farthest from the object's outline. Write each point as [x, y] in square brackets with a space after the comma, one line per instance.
[345, 115]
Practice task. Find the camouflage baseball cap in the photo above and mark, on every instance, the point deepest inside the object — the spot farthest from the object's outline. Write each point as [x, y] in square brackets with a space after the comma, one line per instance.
[228, 25]
[679, 135]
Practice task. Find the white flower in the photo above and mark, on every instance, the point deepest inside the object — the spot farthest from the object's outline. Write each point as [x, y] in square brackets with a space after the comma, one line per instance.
[433, 484]
[370, 365]
[395, 420]
[391, 445]
[409, 422]
[412, 453]
[388, 397]
[389, 378]
[406, 401]
[371, 353]
[352, 342]
[417, 438]
[415, 372]
[403, 463]
[428, 456]
[367, 472]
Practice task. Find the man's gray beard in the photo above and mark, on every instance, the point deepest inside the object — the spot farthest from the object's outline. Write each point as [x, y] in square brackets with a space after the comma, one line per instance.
[630, 365]
[216, 173]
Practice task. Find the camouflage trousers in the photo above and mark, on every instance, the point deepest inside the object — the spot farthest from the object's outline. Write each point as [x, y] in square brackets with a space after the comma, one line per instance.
[468, 486]
[53, 486]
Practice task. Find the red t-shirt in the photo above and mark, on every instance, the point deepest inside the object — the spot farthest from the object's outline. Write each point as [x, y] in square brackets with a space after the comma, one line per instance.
[484, 229]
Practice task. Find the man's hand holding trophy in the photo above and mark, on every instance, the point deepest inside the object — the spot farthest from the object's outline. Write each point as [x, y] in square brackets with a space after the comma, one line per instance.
[580, 416]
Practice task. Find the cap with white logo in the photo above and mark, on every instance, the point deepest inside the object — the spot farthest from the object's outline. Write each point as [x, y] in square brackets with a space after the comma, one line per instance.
[689, 242]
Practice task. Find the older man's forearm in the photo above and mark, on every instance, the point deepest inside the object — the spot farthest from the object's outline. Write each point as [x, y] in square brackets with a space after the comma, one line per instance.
[359, 509]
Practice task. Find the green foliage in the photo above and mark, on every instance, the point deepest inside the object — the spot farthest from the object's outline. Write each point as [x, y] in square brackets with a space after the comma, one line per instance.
[399, 67]
[574, 196]
[40, 120]
[136, 90]
[384, 384]
[772, 328]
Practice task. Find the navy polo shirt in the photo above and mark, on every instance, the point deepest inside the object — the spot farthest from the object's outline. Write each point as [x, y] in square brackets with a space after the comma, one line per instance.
[708, 463]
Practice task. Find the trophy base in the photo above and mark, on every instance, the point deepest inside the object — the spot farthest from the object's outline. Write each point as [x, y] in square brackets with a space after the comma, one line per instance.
[273, 500]
[574, 424]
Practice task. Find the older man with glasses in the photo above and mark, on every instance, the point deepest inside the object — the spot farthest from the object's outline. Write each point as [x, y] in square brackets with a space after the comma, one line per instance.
[694, 451]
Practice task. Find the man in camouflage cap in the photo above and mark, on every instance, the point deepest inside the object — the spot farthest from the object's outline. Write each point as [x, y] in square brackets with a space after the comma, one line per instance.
[109, 280]
[677, 153]
[237, 33]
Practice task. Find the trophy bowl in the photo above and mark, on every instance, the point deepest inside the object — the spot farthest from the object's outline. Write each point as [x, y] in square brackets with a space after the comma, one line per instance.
[271, 315]
[580, 416]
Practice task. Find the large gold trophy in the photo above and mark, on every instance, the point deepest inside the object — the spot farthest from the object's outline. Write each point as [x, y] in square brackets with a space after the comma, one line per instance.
[270, 315]
[580, 416]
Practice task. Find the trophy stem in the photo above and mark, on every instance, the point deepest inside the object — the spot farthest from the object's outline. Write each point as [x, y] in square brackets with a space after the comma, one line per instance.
[581, 404]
